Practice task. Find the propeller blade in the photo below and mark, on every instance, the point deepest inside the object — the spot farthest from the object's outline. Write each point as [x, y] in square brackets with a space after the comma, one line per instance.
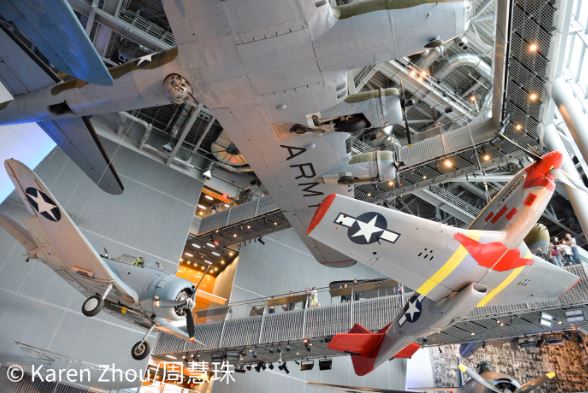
[478, 378]
[569, 180]
[534, 384]
[190, 323]
[403, 107]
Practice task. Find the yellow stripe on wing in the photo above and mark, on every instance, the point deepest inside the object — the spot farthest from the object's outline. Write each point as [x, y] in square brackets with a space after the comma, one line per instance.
[505, 283]
[448, 267]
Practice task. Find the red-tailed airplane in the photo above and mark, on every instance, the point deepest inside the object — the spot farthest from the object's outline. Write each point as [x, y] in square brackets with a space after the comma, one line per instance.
[452, 270]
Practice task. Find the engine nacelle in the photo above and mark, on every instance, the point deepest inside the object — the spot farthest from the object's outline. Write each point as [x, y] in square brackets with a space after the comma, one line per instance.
[371, 167]
[169, 288]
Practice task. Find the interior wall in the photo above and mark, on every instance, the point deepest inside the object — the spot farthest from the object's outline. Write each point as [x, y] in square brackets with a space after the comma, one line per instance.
[223, 284]
[284, 264]
[39, 309]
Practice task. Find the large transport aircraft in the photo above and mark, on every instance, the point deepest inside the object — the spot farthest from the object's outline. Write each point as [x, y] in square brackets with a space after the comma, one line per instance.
[452, 270]
[269, 71]
[148, 297]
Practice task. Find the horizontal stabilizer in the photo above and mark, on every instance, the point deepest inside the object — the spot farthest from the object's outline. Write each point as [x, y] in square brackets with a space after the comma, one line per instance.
[358, 341]
[55, 30]
[78, 139]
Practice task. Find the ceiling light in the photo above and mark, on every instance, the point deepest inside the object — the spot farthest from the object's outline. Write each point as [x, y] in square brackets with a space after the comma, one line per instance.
[201, 206]
[473, 98]
[210, 245]
[275, 223]
[227, 205]
[519, 127]
[231, 253]
[207, 261]
[188, 254]
[533, 97]
[189, 263]
[533, 47]
[486, 157]
[390, 183]
[200, 213]
[222, 262]
[171, 357]
[196, 245]
[447, 163]
[202, 267]
[216, 269]
[472, 334]
[216, 254]
[248, 226]
[234, 235]
[209, 197]
[424, 177]
[369, 194]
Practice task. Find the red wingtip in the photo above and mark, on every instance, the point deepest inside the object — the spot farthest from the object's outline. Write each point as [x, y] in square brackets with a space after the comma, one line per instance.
[320, 212]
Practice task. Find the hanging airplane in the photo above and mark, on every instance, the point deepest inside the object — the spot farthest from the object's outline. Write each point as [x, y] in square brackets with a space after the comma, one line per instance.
[483, 381]
[275, 75]
[452, 270]
[148, 297]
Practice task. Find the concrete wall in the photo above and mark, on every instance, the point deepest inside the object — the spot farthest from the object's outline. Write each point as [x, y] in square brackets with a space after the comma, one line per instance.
[40, 310]
[284, 264]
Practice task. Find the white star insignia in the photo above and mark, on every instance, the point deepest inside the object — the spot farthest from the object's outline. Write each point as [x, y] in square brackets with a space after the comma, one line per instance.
[412, 309]
[43, 206]
[147, 58]
[367, 229]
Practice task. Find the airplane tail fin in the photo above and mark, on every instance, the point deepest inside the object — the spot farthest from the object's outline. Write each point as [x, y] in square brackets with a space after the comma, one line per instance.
[362, 344]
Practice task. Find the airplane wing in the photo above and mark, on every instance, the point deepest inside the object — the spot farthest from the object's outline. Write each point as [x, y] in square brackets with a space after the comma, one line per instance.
[433, 258]
[348, 388]
[62, 245]
[55, 30]
[21, 72]
[78, 139]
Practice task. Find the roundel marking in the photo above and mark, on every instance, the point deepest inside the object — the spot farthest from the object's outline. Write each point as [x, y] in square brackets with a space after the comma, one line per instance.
[367, 228]
[42, 204]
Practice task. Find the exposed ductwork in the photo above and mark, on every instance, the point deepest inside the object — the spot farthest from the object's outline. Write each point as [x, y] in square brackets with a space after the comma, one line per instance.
[465, 59]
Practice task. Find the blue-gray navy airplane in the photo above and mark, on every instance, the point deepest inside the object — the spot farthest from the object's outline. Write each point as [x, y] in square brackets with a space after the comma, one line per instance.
[145, 296]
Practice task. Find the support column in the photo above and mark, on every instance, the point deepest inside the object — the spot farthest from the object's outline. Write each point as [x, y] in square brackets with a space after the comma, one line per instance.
[577, 198]
[572, 113]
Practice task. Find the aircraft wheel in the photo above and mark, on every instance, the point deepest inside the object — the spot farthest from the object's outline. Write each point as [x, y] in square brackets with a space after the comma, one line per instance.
[140, 350]
[92, 306]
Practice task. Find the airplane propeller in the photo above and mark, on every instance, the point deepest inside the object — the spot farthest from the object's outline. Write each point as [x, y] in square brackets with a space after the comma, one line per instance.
[403, 105]
[478, 378]
[534, 384]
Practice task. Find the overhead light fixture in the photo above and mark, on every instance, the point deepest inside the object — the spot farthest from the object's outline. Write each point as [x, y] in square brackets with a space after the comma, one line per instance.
[486, 157]
[196, 245]
[575, 315]
[207, 261]
[447, 163]
[188, 254]
[200, 213]
[306, 365]
[207, 173]
[202, 207]
[210, 245]
[222, 262]
[227, 205]
[209, 197]
[533, 47]
[519, 127]
[390, 183]
[216, 254]
[533, 97]
[325, 364]
[248, 226]
[473, 98]
[546, 319]
[234, 235]
[231, 253]
[171, 357]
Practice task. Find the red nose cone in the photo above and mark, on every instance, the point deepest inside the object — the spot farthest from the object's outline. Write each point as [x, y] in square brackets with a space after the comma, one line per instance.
[551, 160]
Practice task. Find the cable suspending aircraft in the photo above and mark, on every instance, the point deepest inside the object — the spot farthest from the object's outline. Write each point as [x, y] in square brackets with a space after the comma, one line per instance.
[147, 297]
[269, 71]
[483, 381]
[452, 270]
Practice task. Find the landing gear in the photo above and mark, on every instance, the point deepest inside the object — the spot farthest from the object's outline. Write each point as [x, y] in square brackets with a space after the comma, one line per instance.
[141, 349]
[352, 123]
[92, 306]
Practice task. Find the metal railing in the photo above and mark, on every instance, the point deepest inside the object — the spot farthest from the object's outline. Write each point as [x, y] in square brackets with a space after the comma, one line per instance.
[454, 200]
[148, 27]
